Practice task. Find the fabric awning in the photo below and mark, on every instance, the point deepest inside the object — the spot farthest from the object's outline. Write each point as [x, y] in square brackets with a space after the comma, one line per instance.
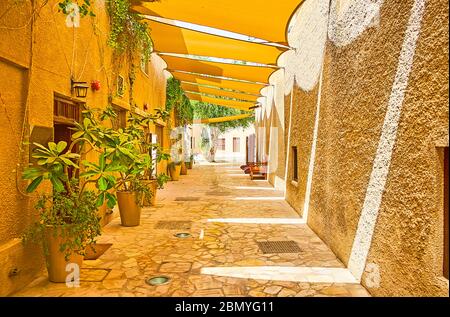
[221, 102]
[218, 92]
[252, 88]
[174, 39]
[223, 119]
[267, 20]
[234, 71]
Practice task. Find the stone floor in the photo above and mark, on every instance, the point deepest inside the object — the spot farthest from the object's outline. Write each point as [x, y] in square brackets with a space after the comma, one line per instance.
[222, 257]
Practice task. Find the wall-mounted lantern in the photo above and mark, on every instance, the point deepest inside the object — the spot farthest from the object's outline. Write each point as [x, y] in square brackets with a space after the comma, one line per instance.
[80, 88]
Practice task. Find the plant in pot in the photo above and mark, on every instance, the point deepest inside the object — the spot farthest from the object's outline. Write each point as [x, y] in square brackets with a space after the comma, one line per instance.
[150, 178]
[183, 170]
[174, 166]
[151, 154]
[190, 162]
[174, 170]
[123, 156]
[68, 219]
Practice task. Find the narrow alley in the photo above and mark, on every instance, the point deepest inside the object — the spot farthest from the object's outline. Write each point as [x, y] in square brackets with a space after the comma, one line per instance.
[220, 149]
[227, 214]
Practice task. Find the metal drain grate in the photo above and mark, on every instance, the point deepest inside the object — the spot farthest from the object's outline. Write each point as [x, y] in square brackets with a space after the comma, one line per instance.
[278, 246]
[173, 225]
[187, 198]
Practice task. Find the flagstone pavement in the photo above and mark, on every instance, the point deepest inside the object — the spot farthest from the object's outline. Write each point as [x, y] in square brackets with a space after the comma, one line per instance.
[222, 257]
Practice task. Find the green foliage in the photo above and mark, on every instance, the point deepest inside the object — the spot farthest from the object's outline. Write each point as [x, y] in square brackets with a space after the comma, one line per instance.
[67, 215]
[123, 163]
[177, 100]
[185, 112]
[174, 94]
[84, 5]
[128, 33]
[53, 163]
[162, 179]
[205, 110]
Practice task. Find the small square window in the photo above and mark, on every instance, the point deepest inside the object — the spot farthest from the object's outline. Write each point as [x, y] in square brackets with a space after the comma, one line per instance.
[294, 164]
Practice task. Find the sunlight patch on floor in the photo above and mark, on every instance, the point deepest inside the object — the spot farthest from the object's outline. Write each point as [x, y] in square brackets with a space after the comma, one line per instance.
[281, 273]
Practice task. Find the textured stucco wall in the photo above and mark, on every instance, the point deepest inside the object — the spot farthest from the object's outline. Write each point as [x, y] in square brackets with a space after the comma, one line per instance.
[56, 53]
[366, 67]
[301, 134]
[408, 238]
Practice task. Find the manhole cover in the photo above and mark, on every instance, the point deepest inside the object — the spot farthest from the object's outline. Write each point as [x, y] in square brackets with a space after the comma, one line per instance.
[187, 198]
[278, 246]
[157, 280]
[183, 235]
[173, 225]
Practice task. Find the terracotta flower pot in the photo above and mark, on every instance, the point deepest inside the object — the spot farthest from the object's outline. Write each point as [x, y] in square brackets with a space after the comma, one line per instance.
[175, 171]
[183, 170]
[56, 262]
[189, 165]
[153, 186]
[130, 211]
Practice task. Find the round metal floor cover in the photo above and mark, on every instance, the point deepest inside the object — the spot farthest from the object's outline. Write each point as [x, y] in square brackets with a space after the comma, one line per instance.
[158, 280]
[183, 235]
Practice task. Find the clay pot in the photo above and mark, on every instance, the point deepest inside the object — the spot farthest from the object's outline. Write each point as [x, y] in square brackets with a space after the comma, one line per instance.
[175, 171]
[153, 186]
[130, 211]
[56, 262]
[183, 170]
[189, 165]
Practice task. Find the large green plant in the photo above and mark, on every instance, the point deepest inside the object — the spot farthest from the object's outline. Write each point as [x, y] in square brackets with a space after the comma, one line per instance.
[81, 186]
[72, 208]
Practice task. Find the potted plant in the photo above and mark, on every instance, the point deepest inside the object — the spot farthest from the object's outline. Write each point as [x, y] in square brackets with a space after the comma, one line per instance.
[151, 153]
[175, 170]
[183, 170]
[151, 180]
[68, 219]
[190, 163]
[130, 152]
[122, 155]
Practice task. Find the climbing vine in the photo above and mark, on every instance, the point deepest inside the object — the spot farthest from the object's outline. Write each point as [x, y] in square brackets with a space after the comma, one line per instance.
[128, 35]
[177, 100]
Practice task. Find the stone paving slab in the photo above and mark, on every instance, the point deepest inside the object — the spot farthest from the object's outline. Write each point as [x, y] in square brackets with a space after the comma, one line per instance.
[206, 264]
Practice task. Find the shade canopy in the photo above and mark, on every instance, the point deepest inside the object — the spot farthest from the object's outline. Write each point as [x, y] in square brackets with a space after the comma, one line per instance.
[220, 102]
[218, 92]
[174, 39]
[234, 71]
[251, 88]
[267, 20]
[224, 119]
